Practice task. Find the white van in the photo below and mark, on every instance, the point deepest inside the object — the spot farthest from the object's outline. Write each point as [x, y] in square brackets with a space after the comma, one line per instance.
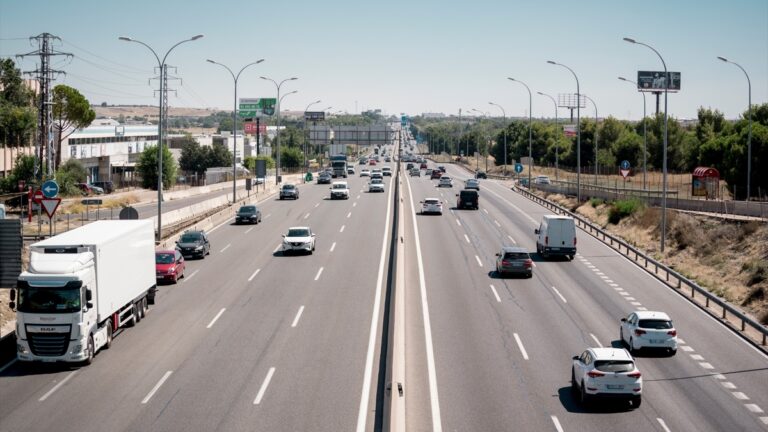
[556, 236]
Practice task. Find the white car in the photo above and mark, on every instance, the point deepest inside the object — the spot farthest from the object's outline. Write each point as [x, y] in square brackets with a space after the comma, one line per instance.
[542, 179]
[376, 185]
[365, 173]
[445, 181]
[387, 171]
[340, 190]
[648, 329]
[299, 239]
[350, 169]
[472, 184]
[431, 206]
[608, 373]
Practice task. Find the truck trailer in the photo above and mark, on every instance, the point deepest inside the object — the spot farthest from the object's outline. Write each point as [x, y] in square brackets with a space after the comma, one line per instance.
[81, 287]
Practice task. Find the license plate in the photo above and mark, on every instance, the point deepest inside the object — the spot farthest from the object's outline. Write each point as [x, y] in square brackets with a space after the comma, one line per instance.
[517, 264]
[615, 387]
[555, 249]
[657, 341]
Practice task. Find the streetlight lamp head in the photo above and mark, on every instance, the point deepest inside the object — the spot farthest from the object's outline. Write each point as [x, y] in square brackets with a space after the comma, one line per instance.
[723, 59]
[264, 78]
[259, 61]
[511, 79]
[125, 38]
[540, 93]
[293, 78]
[622, 78]
[210, 61]
[196, 37]
[630, 40]
[551, 62]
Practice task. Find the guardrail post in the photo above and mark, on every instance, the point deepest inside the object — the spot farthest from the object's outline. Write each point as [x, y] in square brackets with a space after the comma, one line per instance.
[742, 325]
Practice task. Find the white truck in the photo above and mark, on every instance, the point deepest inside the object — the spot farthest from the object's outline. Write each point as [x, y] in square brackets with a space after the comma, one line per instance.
[81, 287]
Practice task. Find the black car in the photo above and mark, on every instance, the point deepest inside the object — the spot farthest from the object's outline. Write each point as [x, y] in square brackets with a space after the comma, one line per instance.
[289, 191]
[107, 186]
[481, 175]
[441, 168]
[194, 244]
[468, 198]
[248, 214]
[324, 178]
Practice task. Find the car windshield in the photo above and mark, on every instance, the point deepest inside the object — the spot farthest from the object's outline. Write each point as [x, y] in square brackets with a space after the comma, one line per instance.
[339, 186]
[49, 300]
[656, 324]
[614, 365]
[164, 258]
[190, 238]
[248, 209]
[298, 232]
[288, 187]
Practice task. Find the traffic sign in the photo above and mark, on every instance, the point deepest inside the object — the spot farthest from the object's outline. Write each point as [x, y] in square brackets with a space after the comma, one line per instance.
[91, 201]
[37, 196]
[50, 189]
[624, 168]
[518, 167]
[625, 164]
[50, 205]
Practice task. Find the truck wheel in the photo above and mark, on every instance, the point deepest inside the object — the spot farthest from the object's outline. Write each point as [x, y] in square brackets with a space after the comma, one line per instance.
[144, 307]
[89, 359]
[108, 343]
[137, 312]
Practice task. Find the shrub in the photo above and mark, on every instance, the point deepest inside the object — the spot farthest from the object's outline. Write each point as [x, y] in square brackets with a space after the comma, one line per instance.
[623, 208]
[595, 202]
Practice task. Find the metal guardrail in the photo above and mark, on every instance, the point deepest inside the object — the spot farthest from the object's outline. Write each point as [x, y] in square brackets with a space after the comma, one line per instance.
[669, 276]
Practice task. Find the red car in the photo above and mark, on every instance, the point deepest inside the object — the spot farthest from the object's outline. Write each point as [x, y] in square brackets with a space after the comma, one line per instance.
[436, 174]
[169, 265]
[372, 162]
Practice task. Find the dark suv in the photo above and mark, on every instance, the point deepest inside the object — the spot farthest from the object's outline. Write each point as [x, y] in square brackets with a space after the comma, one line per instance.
[194, 244]
[248, 214]
[289, 191]
[514, 260]
[468, 198]
[108, 186]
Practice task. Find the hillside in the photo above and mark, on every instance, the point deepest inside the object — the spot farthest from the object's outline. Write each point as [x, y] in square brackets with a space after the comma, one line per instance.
[148, 111]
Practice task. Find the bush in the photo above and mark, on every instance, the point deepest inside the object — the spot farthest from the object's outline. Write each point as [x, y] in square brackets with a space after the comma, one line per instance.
[596, 202]
[623, 208]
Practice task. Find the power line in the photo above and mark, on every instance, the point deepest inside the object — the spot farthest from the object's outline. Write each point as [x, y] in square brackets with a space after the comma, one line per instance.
[104, 58]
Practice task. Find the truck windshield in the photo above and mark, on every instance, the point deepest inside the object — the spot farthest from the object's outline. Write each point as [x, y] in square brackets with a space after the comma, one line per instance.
[49, 300]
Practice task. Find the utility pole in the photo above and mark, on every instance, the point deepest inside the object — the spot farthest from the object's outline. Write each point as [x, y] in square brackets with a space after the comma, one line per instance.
[44, 141]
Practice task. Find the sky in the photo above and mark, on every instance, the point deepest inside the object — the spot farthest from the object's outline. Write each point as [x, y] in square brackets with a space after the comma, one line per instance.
[403, 56]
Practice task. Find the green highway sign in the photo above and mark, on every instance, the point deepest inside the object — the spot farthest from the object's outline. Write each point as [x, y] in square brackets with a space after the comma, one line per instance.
[257, 107]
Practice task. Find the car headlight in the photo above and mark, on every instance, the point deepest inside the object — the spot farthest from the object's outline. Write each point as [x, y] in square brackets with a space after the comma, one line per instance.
[171, 271]
[199, 247]
[20, 348]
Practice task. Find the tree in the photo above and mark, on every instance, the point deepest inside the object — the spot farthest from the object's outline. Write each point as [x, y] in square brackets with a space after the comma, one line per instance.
[23, 170]
[147, 168]
[217, 155]
[291, 157]
[71, 111]
[70, 172]
[192, 157]
[250, 162]
[17, 114]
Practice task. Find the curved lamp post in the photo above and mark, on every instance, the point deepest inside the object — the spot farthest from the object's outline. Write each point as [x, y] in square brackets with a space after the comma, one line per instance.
[557, 145]
[161, 66]
[277, 132]
[595, 105]
[234, 123]
[664, 174]
[749, 133]
[578, 129]
[530, 130]
[645, 135]
[306, 168]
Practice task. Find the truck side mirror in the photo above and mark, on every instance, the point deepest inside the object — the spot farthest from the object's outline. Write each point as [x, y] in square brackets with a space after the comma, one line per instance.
[13, 294]
[88, 295]
[536, 231]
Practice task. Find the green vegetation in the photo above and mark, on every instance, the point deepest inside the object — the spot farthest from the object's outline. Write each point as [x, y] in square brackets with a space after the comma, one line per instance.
[71, 111]
[147, 168]
[623, 208]
[196, 158]
[69, 173]
[595, 202]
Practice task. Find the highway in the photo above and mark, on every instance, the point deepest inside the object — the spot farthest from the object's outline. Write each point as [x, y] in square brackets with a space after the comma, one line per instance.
[501, 348]
[249, 340]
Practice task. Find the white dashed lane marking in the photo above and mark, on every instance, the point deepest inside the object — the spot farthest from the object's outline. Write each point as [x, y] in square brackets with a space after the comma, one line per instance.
[480, 263]
[466, 238]
[319, 272]
[495, 294]
[254, 275]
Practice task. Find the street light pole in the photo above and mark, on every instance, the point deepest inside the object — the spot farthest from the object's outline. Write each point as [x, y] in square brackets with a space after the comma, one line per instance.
[277, 132]
[504, 115]
[530, 130]
[595, 105]
[645, 134]
[578, 129]
[162, 67]
[234, 123]
[664, 174]
[749, 133]
[557, 145]
[307, 139]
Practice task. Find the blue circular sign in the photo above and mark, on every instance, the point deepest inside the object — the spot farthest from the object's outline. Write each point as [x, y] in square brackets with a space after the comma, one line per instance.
[50, 189]
[518, 168]
[625, 164]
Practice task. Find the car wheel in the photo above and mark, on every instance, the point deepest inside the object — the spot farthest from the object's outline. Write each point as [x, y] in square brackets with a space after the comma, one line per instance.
[621, 336]
[175, 279]
[90, 349]
[108, 343]
[584, 397]
[574, 387]
[632, 349]
[636, 401]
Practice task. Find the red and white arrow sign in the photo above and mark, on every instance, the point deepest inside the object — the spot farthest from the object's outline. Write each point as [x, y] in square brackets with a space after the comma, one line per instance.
[50, 205]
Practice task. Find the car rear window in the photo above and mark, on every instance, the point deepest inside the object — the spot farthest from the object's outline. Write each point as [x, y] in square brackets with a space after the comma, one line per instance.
[614, 365]
[431, 201]
[286, 187]
[516, 255]
[468, 194]
[657, 324]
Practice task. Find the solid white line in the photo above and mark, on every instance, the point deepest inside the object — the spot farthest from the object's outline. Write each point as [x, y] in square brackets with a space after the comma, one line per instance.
[663, 425]
[187, 278]
[319, 272]
[264, 386]
[156, 387]
[254, 275]
[467, 238]
[596, 340]
[495, 294]
[277, 248]
[349, 215]
[7, 365]
[520, 344]
[480, 263]
[298, 316]
[342, 229]
[306, 216]
[365, 395]
[559, 295]
[316, 205]
[497, 223]
[249, 230]
[56, 387]
[225, 247]
[458, 222]
[213, 321]
[557, 424]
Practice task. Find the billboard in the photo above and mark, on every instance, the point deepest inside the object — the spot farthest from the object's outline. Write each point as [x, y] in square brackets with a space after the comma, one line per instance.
[257, 107]
[654, 81]
[569, 130]
[314, 115]
[250, 128]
